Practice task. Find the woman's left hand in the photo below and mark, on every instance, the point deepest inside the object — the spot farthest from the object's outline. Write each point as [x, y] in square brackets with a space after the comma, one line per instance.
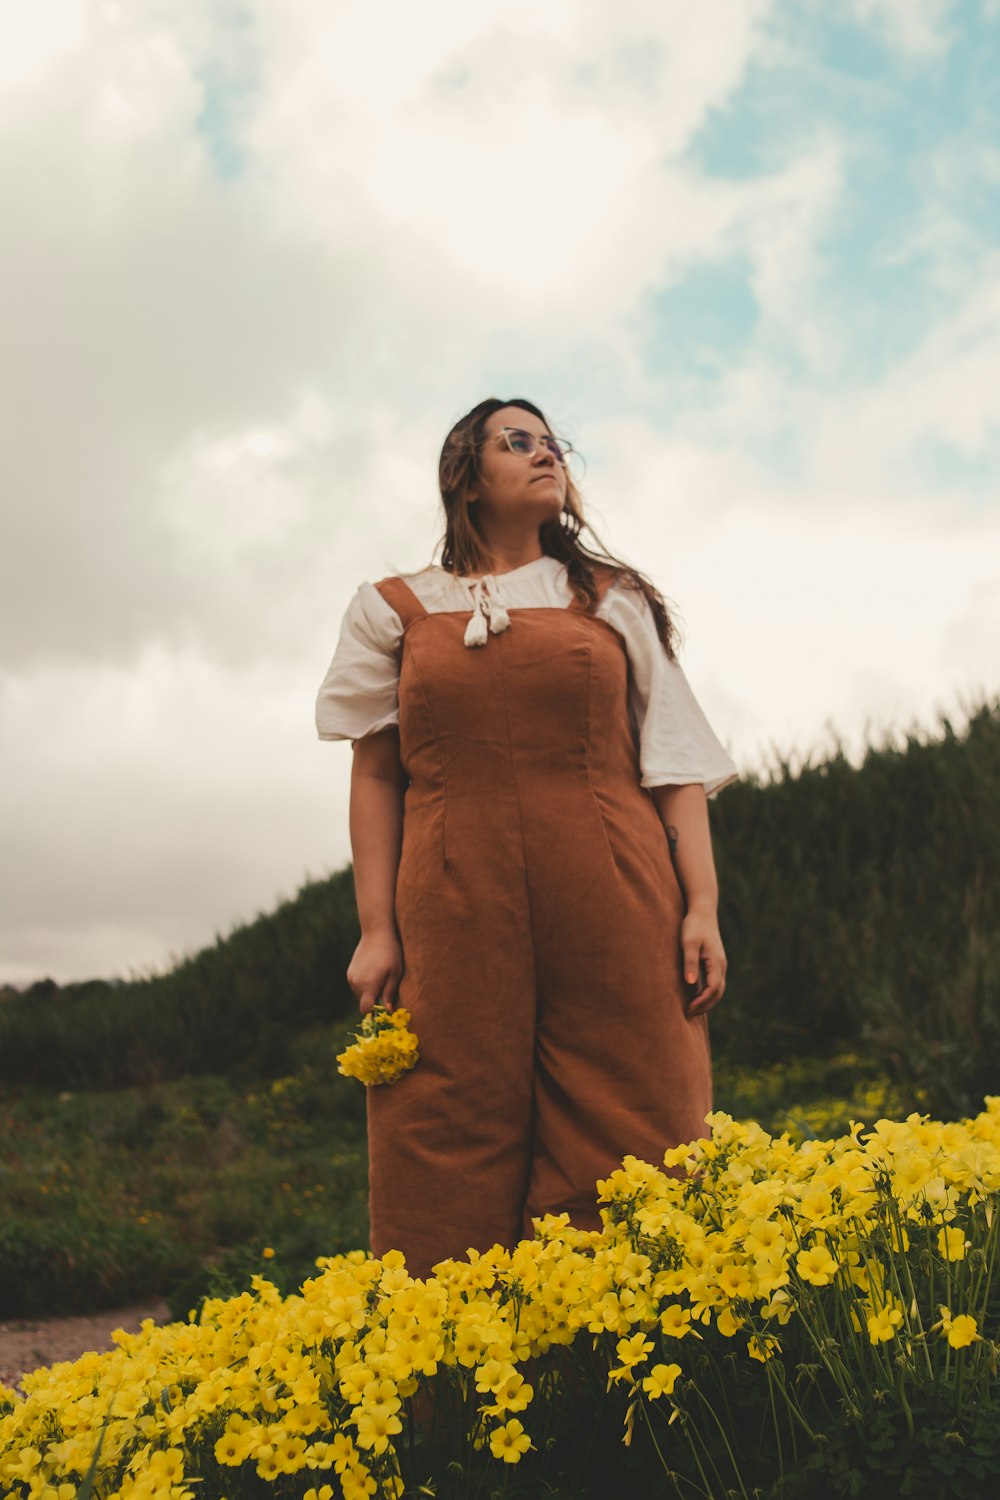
[701, 940]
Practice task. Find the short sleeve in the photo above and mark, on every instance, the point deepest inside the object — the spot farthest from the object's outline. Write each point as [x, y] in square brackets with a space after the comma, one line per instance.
[360, 692]
[677, 744]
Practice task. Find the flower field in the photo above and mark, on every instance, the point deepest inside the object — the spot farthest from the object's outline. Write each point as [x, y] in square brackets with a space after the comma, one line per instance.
[758, 1317]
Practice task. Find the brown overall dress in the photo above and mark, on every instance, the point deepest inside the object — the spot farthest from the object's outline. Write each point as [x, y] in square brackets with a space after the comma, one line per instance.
[539, 915]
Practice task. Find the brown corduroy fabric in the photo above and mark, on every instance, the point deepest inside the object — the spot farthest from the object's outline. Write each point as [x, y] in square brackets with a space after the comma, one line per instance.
[539, 916]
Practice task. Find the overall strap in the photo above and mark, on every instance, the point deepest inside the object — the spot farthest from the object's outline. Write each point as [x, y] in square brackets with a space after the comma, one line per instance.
[400, 597]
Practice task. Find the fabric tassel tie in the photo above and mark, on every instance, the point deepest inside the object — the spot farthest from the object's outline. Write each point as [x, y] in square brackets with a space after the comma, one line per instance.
[488, 614]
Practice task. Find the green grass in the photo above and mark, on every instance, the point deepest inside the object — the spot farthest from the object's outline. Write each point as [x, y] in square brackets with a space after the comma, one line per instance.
[813, 1096]
[178, 1189]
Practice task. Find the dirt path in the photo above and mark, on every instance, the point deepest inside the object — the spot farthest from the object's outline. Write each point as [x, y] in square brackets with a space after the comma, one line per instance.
[24, 1344]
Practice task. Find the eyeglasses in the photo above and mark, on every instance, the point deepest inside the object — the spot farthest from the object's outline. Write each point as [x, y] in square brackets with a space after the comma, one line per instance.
[520, 441]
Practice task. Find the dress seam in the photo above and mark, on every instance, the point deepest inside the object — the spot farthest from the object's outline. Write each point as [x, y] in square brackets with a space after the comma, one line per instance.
[520, 820]
[437, 746]
[590, 777]
[533, 1123]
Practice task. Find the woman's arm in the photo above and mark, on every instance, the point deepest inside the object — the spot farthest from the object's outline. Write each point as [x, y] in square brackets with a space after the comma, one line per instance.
[376, 824]
[683, 812]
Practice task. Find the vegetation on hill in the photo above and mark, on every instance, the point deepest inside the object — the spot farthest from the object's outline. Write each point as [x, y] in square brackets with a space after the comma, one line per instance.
[236, 1007]
[860, 907]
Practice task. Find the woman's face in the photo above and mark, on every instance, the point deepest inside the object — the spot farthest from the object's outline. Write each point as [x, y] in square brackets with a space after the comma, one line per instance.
[516, 486]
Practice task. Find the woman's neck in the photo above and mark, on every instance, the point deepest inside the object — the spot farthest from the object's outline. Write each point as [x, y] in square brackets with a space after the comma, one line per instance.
[501, 566]
[491, 572]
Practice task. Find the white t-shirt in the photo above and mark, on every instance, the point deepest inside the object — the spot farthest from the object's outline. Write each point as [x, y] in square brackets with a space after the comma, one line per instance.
[360, 692]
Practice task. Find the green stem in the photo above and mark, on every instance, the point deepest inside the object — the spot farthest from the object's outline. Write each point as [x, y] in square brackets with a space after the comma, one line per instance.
[849, 1300]
[843, 1381]
[874, 1351]
[932, 1302]
[913, 1309]
[722, 1433]
[846, 1388]
[649, 1423]
[695, 1436]
[989, 1252]
[900, 1387]
[796, 1412]
[776, 1423]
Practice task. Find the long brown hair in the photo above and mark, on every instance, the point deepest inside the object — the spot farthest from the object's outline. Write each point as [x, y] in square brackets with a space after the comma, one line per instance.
[462, 547]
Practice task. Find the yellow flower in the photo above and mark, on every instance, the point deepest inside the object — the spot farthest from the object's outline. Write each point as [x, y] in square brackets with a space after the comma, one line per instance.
[816, 1204]
[268, 1464]
[376, 1427]
[357, 1483]
[633, 1351]
[268, 1252]
[899, 1239]
[24, 1465]
[963, 1331]
[660, 1380]
[770, 1271]
[960, 1331]
[380, 1395]
[355, 1380]
[762, 1347]
[735, 1281]
[510, 1441]
[234, 1447]
[675, 1321]
[342, 1451]
[492, 1374]
[727, 1323]
[290, 1453]
[779, 1306]
[951, 1243]
[764, 1235]
[816, 1265]
[514, 1394]
[383, 1050]
[882, 1326]
[468, 1344]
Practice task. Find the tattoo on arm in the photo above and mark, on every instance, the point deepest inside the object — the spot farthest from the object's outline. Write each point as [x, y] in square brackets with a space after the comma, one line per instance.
[672, 837]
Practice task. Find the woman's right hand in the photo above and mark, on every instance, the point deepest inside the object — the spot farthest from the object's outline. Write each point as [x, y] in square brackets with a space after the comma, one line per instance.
[375, 970]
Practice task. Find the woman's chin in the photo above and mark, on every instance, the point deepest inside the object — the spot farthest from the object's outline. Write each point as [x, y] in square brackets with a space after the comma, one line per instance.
[550, 502]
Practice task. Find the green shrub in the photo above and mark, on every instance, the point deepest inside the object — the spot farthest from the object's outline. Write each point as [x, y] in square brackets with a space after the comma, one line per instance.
[165, 1190]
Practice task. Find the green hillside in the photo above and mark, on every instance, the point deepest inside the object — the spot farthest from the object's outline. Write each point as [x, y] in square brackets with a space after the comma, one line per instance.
[860, 909]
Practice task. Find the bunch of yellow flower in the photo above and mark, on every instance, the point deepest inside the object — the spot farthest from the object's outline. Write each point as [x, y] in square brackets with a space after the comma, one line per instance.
[876, 1251]
[384, 1048]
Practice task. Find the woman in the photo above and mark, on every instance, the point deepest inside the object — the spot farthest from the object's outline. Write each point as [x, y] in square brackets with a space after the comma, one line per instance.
[532, 858]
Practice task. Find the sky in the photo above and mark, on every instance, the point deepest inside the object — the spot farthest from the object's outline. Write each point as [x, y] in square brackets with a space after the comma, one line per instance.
[257, 259]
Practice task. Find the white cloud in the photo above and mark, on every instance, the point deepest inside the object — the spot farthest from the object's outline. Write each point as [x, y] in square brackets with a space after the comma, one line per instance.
[156, 319]
[946, 390]
[917, 27]
[530, 171]
[157, 805]
[33, 37]
[226, 396]
[810, 604]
